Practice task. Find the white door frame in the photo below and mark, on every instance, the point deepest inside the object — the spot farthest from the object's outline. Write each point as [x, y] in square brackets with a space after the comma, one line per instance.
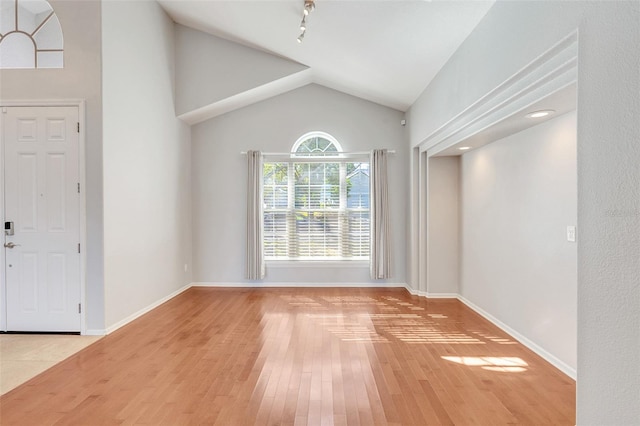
[80, 104]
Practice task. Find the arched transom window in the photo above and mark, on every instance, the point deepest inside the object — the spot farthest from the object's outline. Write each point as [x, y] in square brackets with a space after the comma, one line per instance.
[30, 35]
[316, 144]
[316, 204]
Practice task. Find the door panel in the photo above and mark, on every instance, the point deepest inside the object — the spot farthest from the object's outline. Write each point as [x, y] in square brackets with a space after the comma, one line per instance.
[27, 218]
[27, 273]
[41, 198]
[56, 197]
[56, 130]
[27, 130]
[56, 280]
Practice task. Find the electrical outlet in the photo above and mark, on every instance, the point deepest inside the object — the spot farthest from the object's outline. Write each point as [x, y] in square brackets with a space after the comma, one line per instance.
[571, 233]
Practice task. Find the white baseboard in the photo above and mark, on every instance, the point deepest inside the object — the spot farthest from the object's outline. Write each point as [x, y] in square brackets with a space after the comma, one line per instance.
[560, 365]
[432, 295]
[413, 291]
[94, 332]
[297, 284]
[442, 295]
[143, 311]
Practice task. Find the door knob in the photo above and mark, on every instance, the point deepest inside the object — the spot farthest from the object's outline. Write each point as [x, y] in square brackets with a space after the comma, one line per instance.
[10, 245]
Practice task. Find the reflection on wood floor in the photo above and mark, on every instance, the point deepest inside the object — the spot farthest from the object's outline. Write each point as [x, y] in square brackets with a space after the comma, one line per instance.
[300, 356]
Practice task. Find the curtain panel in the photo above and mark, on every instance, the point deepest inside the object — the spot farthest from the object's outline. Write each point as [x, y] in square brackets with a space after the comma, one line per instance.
[380, 257]
[255, 256]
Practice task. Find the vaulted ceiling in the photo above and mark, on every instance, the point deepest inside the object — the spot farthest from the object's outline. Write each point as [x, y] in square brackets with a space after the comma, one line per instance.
[383, 51]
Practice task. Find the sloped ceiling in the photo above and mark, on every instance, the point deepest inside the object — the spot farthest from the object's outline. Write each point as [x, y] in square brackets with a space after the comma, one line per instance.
[214, 75]
[383, 51]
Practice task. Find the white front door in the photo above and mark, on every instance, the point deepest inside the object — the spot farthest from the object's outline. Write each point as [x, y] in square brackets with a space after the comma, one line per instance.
[42, 205]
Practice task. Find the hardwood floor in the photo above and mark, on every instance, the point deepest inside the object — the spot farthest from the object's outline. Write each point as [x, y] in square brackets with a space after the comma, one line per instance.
[299, 357]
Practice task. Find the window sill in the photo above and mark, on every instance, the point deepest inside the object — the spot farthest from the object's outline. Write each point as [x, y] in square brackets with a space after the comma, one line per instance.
[317, 263]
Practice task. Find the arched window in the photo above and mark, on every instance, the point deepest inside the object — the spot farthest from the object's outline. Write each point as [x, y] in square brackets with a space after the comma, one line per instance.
[316, 205]
[30, 35]
[316, 144]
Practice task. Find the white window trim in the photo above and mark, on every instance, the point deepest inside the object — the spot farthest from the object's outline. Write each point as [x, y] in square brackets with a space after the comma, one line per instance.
[339, 157]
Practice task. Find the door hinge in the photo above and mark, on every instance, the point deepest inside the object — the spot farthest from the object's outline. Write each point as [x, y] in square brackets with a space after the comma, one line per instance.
[79, 308]
[78, 187]
[78, 247]
[78, 127]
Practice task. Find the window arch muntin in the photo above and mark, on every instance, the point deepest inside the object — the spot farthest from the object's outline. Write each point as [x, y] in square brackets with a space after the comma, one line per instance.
[48, 51]
[333, 148]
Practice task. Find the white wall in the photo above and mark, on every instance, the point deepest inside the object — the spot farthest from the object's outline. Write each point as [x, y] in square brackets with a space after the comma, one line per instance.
[146, 162]
[443, 250]
[202, 58]
[519, 195]
[511, 35]
[79, 79]
[219, 176]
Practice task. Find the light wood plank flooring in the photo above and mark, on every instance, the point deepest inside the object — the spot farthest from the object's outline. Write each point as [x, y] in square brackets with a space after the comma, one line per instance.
[299, 357]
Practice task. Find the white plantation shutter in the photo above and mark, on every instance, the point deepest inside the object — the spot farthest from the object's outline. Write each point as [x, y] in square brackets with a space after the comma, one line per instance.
[276, 209]
[316, 210]
[358, 238]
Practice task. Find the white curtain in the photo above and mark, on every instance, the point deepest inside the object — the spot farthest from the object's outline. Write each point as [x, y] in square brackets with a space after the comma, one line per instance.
[380, 258]
[255, 258]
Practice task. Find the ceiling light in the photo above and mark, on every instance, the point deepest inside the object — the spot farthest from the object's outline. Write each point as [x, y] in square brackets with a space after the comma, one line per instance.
[540, 114]
[464, 148]
[309, 6]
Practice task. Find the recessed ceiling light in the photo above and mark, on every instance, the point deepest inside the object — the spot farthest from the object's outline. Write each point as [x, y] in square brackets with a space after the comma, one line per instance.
[464, 148]
[540, 114]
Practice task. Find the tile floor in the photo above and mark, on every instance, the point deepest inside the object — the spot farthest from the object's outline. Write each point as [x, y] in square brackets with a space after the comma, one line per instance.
[23, 356]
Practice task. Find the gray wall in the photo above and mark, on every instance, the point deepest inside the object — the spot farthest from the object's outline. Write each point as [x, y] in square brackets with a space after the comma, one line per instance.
[443, 250]
[79, 79]
[219, 177]
[518, 196]
[146, 162]
[511, 35]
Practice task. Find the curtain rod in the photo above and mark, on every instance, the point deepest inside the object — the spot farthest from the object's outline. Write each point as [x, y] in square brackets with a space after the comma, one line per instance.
[391, 151]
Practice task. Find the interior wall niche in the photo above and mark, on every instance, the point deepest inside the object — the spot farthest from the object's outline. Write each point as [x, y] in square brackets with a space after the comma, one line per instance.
[30, 35]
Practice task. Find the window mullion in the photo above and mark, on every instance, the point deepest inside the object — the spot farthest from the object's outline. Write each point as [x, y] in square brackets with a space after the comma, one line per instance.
[343, 226]
[292, 249]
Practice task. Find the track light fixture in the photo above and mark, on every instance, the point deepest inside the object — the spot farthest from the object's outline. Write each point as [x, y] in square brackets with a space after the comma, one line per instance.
[309, 6]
